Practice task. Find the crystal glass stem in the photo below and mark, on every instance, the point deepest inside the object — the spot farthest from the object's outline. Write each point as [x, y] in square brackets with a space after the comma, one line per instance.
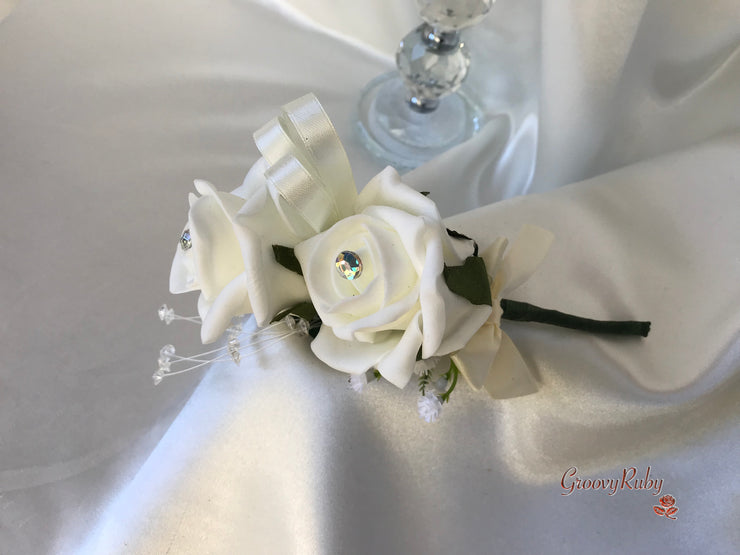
[411, 116]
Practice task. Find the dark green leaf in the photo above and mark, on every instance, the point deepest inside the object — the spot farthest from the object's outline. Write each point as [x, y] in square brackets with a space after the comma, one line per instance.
[469, 280]
[285, 256]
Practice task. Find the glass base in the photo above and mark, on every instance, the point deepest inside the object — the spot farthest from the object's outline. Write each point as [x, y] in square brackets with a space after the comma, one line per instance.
[405, 138]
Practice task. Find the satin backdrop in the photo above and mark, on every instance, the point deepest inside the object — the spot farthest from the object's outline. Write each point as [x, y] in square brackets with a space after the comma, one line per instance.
[109, 110]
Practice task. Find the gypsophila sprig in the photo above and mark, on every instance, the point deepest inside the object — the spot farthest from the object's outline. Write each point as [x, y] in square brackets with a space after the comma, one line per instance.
[425, 379]
[429, 407]
[357, 383]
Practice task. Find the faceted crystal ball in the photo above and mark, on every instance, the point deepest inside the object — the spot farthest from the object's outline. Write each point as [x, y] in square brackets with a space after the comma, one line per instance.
[430, 73]
[452, 15]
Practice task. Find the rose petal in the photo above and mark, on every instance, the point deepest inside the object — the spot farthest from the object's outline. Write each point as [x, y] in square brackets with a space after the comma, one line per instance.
[232, 301]
[392, 317]
[182, 273]
[270, 286]
[432, 303]
[406, 231]
[204, 305]
[229, 203]
[386, 189]
[253, 182]
[214, 243]
[352, 357]
[398, 365]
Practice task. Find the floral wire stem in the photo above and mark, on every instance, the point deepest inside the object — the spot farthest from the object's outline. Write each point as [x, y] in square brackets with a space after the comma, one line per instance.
[259, 344]
[233, 350]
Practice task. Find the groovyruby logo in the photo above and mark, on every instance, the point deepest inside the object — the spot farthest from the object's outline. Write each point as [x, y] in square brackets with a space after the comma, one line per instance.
[667, 507]
[630, 479]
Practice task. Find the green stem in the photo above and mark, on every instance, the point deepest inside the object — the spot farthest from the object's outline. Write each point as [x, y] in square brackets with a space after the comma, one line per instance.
[445, 397]
[525, 312]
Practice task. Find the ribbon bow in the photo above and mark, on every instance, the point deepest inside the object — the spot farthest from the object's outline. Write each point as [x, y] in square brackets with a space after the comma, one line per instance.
[309, 176]
[490, 360]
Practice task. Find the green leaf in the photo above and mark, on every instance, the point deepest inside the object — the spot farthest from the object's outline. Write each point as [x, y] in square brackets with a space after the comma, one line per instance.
[425, 193]
[469, 280]
[285, 256]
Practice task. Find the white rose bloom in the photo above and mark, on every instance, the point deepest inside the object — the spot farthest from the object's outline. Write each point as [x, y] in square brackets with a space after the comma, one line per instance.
[231, 259]
[400, 303]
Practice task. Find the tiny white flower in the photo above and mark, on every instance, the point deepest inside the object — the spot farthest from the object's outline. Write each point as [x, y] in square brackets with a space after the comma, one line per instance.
[357, 382]
[429, 407]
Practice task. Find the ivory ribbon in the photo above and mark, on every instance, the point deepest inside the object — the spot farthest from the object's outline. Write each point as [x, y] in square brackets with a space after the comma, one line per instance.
[309, 176]
[490, 360]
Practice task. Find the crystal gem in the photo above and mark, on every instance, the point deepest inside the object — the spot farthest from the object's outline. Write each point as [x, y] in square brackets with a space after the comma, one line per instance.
[164, 364]
[234, 331]
[349, 265]
[233, 347]
[167, 352]
[166, 314]
[302, 326]
[157, 377]
[429, 73]
[185, 240]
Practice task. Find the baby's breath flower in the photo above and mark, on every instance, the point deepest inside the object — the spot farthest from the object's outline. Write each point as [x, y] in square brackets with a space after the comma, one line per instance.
[429, 407]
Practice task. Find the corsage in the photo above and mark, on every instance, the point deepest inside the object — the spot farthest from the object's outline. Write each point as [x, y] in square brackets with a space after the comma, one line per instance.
[375, 280]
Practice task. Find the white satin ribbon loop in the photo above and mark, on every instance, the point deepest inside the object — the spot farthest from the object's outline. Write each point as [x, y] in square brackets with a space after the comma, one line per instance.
[509, 375]
[302, 202]
[476, 359]
[526, 253]
[490, 359]
[309, 175]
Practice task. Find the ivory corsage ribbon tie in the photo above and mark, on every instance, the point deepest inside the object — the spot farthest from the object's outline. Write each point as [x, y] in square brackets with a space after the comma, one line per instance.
[375, 279]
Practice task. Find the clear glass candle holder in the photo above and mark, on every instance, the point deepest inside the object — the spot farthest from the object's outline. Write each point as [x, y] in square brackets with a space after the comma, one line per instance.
[411, 115]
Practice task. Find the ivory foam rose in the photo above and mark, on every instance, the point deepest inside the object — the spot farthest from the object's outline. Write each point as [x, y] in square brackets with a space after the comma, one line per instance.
[399, 305]
[224, 253]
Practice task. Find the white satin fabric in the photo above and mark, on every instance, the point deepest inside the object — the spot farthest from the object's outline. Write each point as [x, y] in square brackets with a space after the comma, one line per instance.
[108, 110]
